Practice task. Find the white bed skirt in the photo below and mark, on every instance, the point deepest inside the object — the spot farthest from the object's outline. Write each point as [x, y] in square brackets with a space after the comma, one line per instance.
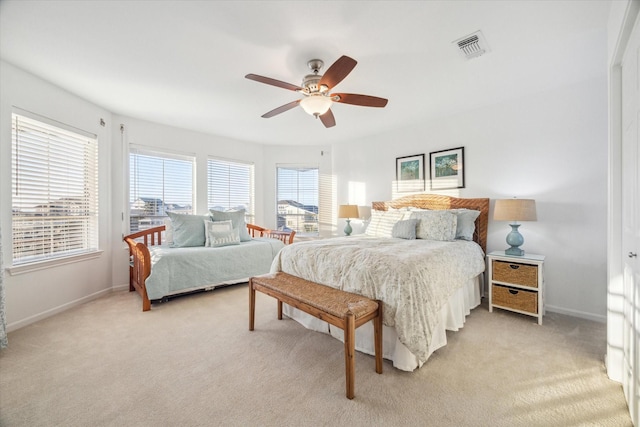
[452, 317]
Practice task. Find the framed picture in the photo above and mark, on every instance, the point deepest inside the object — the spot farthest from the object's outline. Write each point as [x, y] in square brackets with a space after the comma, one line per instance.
[446, 168]
[410, 173]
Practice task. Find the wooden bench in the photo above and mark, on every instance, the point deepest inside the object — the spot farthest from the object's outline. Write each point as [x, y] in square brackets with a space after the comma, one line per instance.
[344, 310]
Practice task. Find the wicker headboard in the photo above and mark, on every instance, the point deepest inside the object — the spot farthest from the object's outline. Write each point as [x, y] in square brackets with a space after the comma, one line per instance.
[438, 202]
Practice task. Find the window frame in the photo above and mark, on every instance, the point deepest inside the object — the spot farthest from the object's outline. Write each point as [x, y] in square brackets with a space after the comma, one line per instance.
[163, 155]
[312, 227]
[60, 181]
[250, 211]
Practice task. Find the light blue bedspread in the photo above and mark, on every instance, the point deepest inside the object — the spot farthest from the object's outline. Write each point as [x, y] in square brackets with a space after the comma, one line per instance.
[176, 270]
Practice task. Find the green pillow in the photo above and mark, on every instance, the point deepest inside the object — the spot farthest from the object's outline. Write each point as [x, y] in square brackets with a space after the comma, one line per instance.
[466, 223]
[237, 219]
[188, 230]
[405, 229]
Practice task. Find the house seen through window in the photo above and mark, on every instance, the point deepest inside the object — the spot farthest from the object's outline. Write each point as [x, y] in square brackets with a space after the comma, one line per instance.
[230, 186]
[158, 182]
[54, 190]
[297, 197]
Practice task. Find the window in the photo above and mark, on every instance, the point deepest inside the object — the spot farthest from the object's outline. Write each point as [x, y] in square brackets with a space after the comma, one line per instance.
[158, 182]
[230, 186]
[54, 189]
[297, 194]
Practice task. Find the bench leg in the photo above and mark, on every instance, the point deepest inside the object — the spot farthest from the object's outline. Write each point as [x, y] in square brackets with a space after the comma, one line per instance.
[377, 338]
[252, 305]
[279, 310]
[349, 354]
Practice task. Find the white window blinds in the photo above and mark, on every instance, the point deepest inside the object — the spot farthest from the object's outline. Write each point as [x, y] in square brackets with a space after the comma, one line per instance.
[54, 174]
[158, 182]
[230, 186]
[298, 193]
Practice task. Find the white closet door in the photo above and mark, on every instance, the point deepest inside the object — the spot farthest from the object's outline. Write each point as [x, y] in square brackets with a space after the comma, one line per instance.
[631, 221]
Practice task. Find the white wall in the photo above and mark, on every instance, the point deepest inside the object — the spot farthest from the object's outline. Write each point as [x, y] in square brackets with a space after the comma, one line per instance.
[551, 147]
[34, 295]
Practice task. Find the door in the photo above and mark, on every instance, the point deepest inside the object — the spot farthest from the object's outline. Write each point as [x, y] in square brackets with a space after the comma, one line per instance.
[631, 221]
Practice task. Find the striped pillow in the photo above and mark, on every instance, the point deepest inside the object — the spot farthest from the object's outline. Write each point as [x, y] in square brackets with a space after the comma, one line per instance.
[382, 223]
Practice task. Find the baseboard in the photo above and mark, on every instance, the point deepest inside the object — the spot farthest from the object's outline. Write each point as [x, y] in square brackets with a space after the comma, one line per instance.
[576, 313]
[64, 307]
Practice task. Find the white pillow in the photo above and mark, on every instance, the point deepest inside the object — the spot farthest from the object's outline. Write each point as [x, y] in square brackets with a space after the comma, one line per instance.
[224, 238]
[212, 227]
[435, 225]
[382, 222]
[237, 218]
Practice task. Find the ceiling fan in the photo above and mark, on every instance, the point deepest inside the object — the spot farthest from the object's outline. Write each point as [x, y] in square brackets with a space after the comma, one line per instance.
[315, 89]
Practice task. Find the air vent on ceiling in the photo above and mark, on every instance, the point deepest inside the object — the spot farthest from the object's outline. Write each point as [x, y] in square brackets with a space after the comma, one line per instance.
[472, 46]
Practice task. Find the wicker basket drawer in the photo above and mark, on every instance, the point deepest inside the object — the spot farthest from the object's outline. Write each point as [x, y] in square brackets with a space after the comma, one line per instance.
[517, 299]
[516, 273]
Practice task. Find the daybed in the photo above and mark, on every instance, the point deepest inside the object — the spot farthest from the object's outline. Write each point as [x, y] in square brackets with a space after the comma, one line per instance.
[158, 271]
[427, 284]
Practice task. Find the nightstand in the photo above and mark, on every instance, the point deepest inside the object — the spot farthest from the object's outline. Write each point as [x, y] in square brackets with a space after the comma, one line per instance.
[516, 283]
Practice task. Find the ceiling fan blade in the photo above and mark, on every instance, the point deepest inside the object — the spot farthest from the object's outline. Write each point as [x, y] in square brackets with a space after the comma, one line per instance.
[273, 82]
[327, 119]
[362, 100]
[338, 71]
[281, 109]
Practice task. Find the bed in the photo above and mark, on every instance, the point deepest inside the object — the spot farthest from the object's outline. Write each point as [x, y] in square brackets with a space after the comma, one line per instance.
[428, 285]
[158, 271]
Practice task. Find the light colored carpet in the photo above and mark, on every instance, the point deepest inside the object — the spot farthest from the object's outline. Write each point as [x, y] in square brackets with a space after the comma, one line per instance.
[193, 362]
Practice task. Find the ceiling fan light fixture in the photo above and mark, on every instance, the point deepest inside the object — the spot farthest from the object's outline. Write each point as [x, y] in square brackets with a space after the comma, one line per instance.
[316, 105]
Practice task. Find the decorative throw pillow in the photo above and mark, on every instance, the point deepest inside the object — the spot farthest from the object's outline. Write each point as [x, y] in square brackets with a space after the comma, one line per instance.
[237, 219]
[215, 227]
[466, 223]
[188, 230]
[224, 238]
[435, 225]
[405, 229]
[382, 222]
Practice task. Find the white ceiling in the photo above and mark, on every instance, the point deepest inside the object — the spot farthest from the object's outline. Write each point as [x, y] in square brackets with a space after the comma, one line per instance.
[183, 63]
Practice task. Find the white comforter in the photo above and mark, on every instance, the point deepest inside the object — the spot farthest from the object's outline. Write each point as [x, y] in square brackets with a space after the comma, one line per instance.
[413, 278]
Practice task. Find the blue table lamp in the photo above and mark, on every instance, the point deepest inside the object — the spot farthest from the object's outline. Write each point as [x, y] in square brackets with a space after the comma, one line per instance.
[515, 210]
[348, 212]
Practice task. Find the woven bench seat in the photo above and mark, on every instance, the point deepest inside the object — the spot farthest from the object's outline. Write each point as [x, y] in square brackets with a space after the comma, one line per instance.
[344, 310]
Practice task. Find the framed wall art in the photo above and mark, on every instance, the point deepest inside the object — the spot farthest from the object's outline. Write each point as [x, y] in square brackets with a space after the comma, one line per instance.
[446, 169]
[410, 173]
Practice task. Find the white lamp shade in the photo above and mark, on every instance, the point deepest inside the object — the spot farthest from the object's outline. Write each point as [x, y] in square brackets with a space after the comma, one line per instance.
[348, 211]
[515, 210]
[316, 105]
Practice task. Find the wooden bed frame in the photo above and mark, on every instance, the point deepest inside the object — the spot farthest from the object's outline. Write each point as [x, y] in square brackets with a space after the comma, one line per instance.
[140, 257]
[439, 202]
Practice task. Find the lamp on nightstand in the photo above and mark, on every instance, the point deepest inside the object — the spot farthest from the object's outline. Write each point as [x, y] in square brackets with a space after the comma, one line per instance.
[348, 212]
[515, 210]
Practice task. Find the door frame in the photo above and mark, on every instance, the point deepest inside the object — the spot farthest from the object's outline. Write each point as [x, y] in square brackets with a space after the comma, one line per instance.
[615, 290]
